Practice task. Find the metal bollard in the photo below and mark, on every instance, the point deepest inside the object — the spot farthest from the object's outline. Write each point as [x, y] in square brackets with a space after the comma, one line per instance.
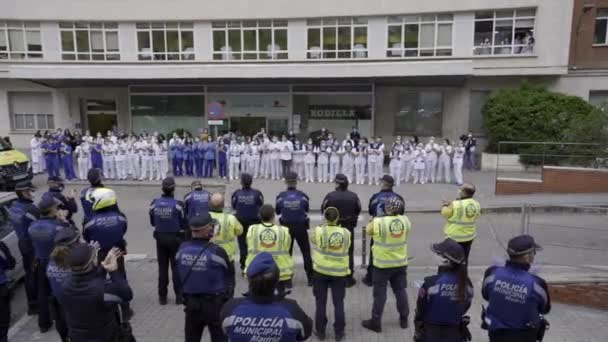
[364, 249]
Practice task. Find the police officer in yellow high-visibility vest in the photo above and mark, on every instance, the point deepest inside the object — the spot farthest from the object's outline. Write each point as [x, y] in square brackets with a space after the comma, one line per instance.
[274, 239]
[390, 234]
[228, 228]
[462, 215]
[330, 260]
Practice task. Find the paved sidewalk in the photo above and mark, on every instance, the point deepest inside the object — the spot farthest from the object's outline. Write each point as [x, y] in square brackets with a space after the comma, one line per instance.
[418, 197]
[154, 323]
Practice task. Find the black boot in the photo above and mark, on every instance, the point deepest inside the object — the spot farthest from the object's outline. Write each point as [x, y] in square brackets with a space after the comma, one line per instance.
[371, 325]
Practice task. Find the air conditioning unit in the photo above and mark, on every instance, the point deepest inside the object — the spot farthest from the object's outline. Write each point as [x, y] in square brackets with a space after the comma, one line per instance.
[588, 4]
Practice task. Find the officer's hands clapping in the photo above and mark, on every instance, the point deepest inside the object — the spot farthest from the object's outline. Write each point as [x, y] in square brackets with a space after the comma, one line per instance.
[110, 263]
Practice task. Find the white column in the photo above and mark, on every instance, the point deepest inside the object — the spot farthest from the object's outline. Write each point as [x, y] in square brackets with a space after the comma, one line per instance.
[127, 40]
[463, 34]
[296, 39]
[203, 41]
[376, 37]
[51, 41]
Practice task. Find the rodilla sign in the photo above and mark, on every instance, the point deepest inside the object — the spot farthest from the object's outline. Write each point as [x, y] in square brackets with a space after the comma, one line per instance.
[215, 110]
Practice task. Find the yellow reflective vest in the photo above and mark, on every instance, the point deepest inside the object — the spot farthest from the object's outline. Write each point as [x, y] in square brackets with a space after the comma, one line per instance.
[390, 234]
[274, 239]
[228, 228]
[330, 246]
[461, 215]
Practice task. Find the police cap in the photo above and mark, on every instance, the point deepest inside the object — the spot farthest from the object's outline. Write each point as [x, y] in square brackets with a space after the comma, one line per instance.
[81, 258]
[450, 250]
[341, 179]
[262, 263]
[66, 236]
[196, 185]
[47, 202]
[199, 221]
[388, 180]
[24, 185]
[55, 179]
[521, 245]
[246, 179]
[291, 177]
[169, 183]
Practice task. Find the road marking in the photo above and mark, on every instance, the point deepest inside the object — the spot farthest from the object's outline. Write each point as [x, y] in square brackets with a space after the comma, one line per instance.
[17, 326]
[135, 257]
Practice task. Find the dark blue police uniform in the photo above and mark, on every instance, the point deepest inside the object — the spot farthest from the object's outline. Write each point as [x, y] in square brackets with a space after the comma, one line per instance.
[21, 214]
[58, 276]
[196, 202]
[167, 218]
[207, 277]
[88, 299]
[293, 206]
[516, 301]
[66, 204]
[42, 232]
[438, 310]
[108, 226]
[246, 203]
[7, 262]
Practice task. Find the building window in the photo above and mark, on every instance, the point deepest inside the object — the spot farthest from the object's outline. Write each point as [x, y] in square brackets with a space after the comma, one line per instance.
[30, 110]
[420, 35]
[601, 27]
[508, 32]
[170, 41]
[332, 38]
[599, 98]
[250, 40]
[20, 40]
[419, 113]
[85, 41]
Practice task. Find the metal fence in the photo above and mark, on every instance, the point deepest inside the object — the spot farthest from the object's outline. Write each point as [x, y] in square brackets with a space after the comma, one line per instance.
[525, 159]
[571, 235]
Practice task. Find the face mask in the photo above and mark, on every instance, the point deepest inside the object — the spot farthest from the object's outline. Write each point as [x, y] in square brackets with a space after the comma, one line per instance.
[441, 261]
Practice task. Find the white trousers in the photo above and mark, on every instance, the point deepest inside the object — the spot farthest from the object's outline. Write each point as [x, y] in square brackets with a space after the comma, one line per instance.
[334, 168]
[458, 170]
[373, 171]
[121, 167]
[41, 163]
[254, 166]
[348, 168]
[431, 168]
[298, 167]
[109, 172]
[163, 166]
[443, 169]
[322, 173]
[83, 168]
[395, 170]
[147, 168]
[275, 168]
[360, 171]
[309, 171]
[233, 168]
[245, 166]
[134, 165]
[419, 176]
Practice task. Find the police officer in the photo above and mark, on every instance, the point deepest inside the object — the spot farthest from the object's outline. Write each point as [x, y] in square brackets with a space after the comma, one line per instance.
[444, 298]
[67, 203]
[228, 227]
[7, 262]
[246, 202]
[196, 202]
[58, 274]
[517, 299]
[207, 277]
[22, 213]
[390, 234]
[289, 322]
[376, 209]
[86, 294]
[462, 215]
[94, 176]
[274, 239]
[330, 262]
[42, 233]
[167, 218]
[292, 205]
[349, 207]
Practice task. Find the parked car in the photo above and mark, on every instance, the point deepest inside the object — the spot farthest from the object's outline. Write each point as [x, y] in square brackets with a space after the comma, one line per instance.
[14, 166]
[9, 237]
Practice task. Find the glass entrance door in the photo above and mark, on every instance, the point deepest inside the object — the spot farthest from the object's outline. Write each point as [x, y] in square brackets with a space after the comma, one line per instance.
[247, 125]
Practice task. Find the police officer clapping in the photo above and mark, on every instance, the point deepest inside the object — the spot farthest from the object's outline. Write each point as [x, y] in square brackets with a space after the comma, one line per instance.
[207, 277]
[262, 316]
[293, 206]
[89, 299]
[444, 298]
[517, 299]
[246, 202]
[167, 218]
[67, 202]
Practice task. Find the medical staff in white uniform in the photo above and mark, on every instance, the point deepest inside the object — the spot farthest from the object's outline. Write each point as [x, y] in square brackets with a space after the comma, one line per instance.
[108, 152]
[120, 160]
[348, 161]
[445, 161]
[298, 159]
[457, 161]
[275, 153]
[83, 154]
[309, 162]
[36, 154]
[234, 153]
[254, 159]
[419, 165]
[334, 160]
[360, 162]
[323, 152]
